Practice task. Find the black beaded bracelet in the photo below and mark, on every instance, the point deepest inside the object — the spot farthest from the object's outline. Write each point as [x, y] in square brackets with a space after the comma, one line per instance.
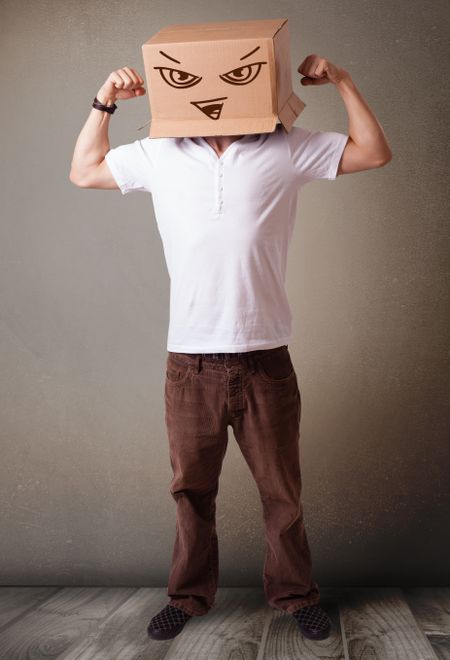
[106, 108]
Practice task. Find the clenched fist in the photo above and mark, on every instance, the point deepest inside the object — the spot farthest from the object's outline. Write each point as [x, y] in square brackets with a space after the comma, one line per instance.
[124, 83]
[319, 71]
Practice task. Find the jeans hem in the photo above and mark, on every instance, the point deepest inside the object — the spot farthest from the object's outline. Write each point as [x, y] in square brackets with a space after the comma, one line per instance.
[188, 610]
[304, 602]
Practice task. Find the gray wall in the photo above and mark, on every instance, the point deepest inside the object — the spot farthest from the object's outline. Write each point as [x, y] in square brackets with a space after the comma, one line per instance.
[84, 310]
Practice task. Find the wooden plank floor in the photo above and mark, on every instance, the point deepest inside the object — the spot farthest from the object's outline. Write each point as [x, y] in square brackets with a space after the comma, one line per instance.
[109, 623]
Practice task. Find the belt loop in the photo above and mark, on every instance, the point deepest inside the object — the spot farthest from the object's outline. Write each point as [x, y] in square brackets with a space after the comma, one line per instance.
[252, 363]
[198, 363]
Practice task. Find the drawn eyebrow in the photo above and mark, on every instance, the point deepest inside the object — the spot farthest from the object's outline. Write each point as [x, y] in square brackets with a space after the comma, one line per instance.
[242, 58]
[170, 58]
[251, 52]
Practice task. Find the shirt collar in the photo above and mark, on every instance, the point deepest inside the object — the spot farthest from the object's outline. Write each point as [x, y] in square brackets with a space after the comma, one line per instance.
[205, 146]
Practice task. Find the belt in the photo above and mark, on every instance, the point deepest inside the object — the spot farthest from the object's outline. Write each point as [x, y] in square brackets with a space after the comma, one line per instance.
[250, 356]
[226, 356]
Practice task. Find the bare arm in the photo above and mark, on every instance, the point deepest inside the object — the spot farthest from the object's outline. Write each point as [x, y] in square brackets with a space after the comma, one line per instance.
[89, 168]
[367, 146]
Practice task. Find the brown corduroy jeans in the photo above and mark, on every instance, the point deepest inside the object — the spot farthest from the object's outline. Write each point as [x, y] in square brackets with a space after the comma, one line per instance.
[257, 394]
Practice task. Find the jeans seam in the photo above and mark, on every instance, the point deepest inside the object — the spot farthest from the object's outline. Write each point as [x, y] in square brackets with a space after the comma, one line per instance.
[211, 559]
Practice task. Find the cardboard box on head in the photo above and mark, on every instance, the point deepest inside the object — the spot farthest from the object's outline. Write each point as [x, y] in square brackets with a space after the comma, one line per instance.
[230, 78]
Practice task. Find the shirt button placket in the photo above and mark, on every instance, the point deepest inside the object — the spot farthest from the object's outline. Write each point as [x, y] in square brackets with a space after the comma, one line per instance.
[220, 188]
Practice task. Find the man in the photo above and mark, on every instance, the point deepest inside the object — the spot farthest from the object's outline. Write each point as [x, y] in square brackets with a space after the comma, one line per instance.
[225, 208]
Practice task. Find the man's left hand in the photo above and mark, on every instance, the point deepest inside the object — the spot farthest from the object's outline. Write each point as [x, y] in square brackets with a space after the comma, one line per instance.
[319, 71]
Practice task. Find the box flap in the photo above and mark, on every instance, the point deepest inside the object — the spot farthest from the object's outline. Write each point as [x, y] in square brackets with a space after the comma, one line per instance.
[264, 28]
[290, 111]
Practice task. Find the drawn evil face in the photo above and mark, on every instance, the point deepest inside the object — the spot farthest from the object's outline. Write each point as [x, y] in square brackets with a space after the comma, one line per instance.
[228, 84]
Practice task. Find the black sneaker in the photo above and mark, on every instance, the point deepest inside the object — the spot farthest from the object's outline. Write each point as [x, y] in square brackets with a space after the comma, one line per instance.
[167, 623]
[313, 622]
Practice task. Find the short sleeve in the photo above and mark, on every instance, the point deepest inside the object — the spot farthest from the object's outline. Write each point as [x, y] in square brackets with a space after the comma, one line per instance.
[132, 166]
[315, 154]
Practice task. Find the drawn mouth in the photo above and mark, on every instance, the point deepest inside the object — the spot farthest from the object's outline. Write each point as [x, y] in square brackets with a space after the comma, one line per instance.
[210, 108]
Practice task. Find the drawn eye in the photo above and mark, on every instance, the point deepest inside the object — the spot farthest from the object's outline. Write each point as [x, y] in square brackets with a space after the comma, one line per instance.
[243, 74]
[176, 78]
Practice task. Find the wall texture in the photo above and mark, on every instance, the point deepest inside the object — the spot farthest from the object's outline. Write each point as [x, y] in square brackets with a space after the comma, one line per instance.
[84, 483]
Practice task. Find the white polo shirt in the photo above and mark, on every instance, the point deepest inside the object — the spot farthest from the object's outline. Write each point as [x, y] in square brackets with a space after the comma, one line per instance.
[225, 225]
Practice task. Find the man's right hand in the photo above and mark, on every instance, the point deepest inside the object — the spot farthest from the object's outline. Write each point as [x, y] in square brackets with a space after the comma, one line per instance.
[124, 83]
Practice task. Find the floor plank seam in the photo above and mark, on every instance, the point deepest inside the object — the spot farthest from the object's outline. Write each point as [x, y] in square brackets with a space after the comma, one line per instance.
[265, 632]
[343, 635]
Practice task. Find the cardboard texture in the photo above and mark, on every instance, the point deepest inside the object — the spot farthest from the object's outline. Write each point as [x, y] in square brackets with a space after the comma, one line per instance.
[229, 78]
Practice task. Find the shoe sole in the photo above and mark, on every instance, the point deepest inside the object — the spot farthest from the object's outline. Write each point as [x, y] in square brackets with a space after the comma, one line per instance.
[164, 634]
[322, 635]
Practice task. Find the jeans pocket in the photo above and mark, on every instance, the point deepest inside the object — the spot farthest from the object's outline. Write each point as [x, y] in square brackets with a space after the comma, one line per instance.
[176, 372]
[276, 367]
